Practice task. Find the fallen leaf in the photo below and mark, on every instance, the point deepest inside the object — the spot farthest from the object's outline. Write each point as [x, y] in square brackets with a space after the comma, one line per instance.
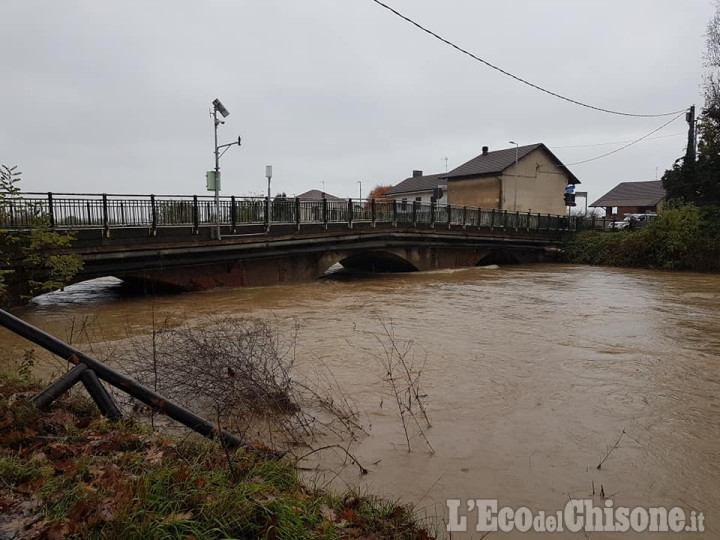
[328, 513]
[57, 531]
[177, 516]
[349, 515]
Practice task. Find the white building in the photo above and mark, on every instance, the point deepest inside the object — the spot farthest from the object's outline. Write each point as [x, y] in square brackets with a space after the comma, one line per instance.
[423, 189]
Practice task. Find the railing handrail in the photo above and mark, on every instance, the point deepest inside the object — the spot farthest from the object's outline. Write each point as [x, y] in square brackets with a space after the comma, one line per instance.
[95, 210]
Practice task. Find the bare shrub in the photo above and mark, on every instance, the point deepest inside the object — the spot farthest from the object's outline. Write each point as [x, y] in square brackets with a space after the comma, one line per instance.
[402, 374]
[240, 372]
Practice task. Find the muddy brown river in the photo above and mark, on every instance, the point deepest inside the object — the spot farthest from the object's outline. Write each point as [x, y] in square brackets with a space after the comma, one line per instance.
[531, 374]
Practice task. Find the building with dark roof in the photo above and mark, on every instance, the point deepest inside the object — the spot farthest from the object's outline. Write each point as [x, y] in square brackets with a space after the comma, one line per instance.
[492, 180]
[421, 188]
[317, 195]
[633, 198]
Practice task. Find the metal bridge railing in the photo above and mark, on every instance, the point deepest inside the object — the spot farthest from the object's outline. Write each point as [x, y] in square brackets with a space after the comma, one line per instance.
[80, 210]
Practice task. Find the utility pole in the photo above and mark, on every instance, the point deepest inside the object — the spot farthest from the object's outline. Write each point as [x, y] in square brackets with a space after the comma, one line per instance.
[690, 155]
[218, 107]
[691, 148]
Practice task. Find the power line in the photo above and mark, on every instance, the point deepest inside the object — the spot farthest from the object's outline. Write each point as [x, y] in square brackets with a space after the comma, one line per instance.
[683, 133]
[520, 79]
[629, 144]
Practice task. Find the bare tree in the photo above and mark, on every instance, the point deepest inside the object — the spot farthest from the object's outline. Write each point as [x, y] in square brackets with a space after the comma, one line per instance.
[402, 375]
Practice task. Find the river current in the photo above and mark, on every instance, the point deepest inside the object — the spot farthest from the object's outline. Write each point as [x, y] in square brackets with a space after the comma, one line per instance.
[532, 373]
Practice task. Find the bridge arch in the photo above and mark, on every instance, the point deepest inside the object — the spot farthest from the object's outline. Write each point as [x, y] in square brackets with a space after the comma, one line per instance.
[377, 261]
[372, 261]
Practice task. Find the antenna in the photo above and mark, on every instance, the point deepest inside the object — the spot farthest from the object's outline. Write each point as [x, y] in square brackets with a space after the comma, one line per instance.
[446, 160]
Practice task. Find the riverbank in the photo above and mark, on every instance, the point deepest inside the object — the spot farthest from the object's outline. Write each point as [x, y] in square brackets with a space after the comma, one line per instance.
[69, 472]
[683, 238]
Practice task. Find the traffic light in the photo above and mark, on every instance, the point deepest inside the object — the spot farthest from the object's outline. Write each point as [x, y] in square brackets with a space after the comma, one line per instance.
[570, 199]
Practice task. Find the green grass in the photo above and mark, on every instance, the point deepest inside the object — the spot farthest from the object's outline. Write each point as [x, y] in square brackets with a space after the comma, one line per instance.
[100, 480]
[14, 470]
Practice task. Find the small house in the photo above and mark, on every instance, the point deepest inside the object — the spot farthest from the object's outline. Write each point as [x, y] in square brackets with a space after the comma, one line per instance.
[633, 198]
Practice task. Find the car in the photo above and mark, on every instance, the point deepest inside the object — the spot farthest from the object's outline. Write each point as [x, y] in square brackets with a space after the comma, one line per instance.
[632, 221]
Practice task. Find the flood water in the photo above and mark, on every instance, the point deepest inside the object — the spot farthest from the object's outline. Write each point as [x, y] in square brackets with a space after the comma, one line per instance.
[532, 373]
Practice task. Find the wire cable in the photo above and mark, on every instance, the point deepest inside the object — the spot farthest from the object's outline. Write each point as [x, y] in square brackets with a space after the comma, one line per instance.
[520, 79]
[684, 133]
[629, 144]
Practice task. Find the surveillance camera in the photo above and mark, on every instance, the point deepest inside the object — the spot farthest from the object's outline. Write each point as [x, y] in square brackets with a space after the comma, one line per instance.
[219, 107]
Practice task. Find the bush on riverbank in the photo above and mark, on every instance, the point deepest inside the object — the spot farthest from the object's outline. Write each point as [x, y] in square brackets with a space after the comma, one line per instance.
[685, 237]
[68, 472]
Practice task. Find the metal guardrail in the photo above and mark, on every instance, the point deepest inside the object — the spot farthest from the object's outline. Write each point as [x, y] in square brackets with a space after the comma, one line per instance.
[90, 371]
[108, 211]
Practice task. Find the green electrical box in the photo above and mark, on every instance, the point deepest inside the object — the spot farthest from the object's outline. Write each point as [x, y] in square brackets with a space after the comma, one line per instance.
[212, 179]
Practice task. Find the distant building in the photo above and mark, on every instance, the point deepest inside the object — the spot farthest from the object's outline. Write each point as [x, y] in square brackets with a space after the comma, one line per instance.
[420, 188]
[491, 180]
[633, 198]
[317, 195]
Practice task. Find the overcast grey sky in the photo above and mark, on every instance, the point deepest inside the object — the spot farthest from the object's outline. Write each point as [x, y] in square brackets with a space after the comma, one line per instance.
[100, 96]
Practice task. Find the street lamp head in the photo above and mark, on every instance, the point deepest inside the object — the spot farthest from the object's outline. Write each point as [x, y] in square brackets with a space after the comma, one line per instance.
[268, 171]
[219, 107]
[512, 142]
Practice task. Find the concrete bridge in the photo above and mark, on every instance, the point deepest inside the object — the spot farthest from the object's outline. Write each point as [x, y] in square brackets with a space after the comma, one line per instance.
[193, 243]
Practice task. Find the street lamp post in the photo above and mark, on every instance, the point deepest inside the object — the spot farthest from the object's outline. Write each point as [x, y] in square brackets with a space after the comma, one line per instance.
[360, 182]
[268, 175]
[516, 175]
[218, 107]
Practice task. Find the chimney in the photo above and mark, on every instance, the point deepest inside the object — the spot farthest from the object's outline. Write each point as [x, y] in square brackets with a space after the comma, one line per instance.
[417, 173]
[485, 150]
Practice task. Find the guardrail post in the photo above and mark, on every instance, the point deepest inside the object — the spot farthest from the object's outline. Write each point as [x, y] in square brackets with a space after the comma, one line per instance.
[196, 215]
[464, 222]
[154, 215]
[537, 228]
[350, 213]
[100, 396]
[233, 214]
[51, 210]
[505, 220]
[58, 388]
[414, 214]
[325, 212]
[492, 219]
[297, 213]
[448, 207]
[394, 216]
[106, 225]
[373, 212]
[548, 223]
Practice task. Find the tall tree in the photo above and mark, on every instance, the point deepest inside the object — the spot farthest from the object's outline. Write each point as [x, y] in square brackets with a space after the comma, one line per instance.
[379, 191]
[696, 177]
